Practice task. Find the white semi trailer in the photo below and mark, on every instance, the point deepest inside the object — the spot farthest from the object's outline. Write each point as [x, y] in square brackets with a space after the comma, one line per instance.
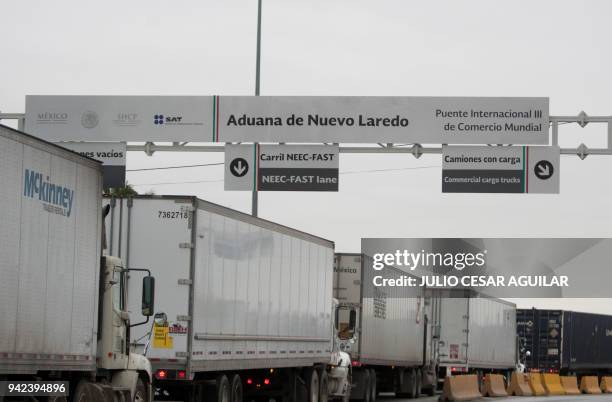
[474, 333]
[385, 330]
[62, 316]
[244, 306]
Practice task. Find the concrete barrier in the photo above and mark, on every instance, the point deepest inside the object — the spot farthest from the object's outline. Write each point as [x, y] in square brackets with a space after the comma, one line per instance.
[535, 383]
[589, 385]
[570, 385]
[606, 385]
[494, 385]
[460, 388]
[518, 385]
[552, 384]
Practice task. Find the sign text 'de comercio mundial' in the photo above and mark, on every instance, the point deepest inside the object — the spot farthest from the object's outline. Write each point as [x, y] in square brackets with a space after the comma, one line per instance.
[303, 119]
[281, 167]
[501, 169]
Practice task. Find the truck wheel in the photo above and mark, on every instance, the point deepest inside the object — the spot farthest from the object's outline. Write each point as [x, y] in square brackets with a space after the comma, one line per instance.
[373, 390]
[323, 386]
[412, 390]
[140, 395]
[418, 383]
[223, 389]
[311, 378]
[85, 391]
[367, 386]
[236, 390]
[81, 392]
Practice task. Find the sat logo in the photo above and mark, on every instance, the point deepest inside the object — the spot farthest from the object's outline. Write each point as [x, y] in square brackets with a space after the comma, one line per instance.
[161, 119]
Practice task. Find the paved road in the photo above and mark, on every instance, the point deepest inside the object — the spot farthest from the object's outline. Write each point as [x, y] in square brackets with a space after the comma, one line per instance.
[580, 398]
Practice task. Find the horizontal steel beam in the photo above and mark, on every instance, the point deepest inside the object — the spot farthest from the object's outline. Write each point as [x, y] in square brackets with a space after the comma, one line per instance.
[343, 150]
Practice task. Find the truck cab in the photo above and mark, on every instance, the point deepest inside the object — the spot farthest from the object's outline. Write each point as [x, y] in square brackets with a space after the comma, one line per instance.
[122, 368]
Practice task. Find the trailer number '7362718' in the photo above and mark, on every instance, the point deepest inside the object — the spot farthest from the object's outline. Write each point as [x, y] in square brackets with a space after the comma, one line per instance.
[172, 215]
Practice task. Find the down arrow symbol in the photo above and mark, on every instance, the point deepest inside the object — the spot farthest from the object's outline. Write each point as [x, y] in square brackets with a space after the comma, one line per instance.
[239, 167]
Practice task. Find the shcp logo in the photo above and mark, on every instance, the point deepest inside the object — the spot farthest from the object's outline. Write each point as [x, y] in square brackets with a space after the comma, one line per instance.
[158, 119]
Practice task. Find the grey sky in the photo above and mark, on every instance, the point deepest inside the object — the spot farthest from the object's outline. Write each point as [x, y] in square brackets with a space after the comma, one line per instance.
[554, 48]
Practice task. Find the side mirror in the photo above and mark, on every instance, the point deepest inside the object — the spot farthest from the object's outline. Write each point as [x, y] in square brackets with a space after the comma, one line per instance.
[148, 296]
[352, 319]
[337, 318]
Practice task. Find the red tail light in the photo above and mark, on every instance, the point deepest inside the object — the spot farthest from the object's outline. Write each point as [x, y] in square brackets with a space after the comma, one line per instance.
[356, 363]
[249, 381]
[181, 375]
[267, 381]
[161, 374]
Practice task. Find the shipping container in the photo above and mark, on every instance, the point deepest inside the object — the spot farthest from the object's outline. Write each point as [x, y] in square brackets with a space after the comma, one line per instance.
[56, 289]
[384, 329]
[238, 296]
[567, 342]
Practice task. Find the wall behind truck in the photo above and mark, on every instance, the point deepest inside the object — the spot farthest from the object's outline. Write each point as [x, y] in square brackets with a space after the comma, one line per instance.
[50, 261]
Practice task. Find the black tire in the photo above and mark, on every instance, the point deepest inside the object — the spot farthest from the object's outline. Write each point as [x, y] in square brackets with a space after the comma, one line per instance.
[83, 392]
[311, 378]
[400, 381]
[236, 394]
[222, 388]
[373, 388]
[367, 388]
[412, 393]
[323, 386]
[141, 393]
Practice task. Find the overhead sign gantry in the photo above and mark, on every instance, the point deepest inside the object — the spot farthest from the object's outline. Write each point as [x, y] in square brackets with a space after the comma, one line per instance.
[297, 119]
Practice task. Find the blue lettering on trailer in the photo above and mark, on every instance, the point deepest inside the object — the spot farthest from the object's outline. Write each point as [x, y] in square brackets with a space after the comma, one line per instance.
[56, 198]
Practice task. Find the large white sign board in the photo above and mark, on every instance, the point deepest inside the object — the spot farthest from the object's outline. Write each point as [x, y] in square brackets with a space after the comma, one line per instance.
[293, 119]
[368, 119]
